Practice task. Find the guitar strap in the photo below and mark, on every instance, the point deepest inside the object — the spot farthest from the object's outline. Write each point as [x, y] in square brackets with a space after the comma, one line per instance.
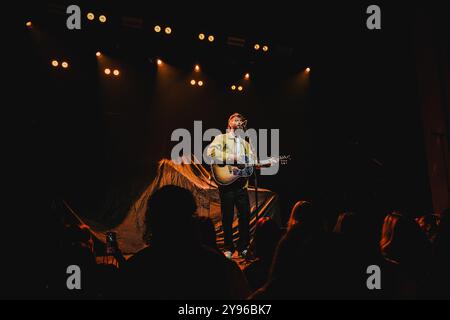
[224, 148]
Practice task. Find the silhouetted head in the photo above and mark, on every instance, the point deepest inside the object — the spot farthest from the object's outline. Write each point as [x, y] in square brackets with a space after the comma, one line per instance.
[303, 213]
[78, 235]
[170, 216]
[207, 232]
[442, 241]
[360, 231]
[429, 223]
[402, 240]
[267, 235]
[346, 223]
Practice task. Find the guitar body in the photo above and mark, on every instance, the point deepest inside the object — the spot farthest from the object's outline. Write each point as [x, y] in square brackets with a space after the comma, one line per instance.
[225, 174]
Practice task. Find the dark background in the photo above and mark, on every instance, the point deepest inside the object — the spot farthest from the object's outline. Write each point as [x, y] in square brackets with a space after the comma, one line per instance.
[352, 127]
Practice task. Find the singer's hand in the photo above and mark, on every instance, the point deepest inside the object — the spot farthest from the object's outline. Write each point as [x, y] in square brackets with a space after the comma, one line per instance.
[267, 163]
[273, 161]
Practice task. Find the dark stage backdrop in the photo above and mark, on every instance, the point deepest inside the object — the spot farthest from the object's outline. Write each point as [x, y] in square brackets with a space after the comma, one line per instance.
[352, 126]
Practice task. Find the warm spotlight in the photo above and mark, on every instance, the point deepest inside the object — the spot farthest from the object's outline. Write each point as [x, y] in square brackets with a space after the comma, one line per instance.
[55, 63]
[193, 82]
[159, 62]
[211, 38]
[90, 16]
[65, 65]
[240, 88]
[233, 87]
[247, 76]
[29, 24]
[200, 83]
[98, 53]
[197, 68]
[116, 72]
[201, 36]
[157, 29]
[256, 46]
[265, 48]
[308, 70]
[107, 71]
[102, 19]
[168, 30]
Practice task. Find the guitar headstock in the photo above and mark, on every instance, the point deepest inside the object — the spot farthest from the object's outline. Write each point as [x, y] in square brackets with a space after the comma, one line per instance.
[274, 160]
[284, 159]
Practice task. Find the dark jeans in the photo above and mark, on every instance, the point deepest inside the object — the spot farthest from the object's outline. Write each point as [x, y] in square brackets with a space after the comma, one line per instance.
[230, 196]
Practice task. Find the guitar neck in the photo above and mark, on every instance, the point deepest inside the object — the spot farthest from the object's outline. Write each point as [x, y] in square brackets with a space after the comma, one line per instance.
[262, 164]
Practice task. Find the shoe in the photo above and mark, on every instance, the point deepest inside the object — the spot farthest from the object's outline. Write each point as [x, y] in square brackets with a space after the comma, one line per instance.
[243, 254]
[228, 254]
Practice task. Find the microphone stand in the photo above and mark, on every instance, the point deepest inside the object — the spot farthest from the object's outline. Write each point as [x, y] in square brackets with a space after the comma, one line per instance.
[256, 193]
[256, 180]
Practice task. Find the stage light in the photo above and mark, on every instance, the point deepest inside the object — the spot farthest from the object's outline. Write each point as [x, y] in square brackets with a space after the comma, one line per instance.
[90, 16]
[102, 19]
[200, 83]
[65, 65]
[247, 76]
[159, 62]
[256, 46]
[157, 29]
[197, 68]
[308, 70]
[107, 71]
[29, 24]
[116, 72]
[265, 48]
[193, 82]
[211, 38]
[233, 87]
[55, 63]
[168, 30]
[98, 53]
[240, 88]
[201, 36]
